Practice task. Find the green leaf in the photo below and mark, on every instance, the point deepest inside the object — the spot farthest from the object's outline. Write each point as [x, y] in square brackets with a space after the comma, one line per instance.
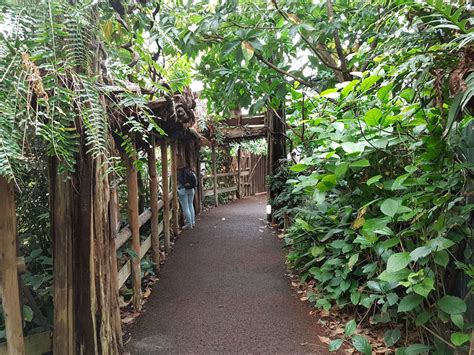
[367, 83]
[458, 320]
[460, 338]
[440, 243]
[392, 298]
[363, 163]
[384, 92]
[352, 260]
[442, 258]
[334, 345]
[362, 344]
[452, 305]
[27, 313]
[394, 276]
[373, 179]
[409, 303]
[316, 250]
[398, 261]
[247, 50]
[423, 318]
[298, 167]
[373, 116]
[349, 88]
[390, 206]
[355, 298]
[350, 147]
[420, 252]
[327, 183]
[424, 287]
[341, 170]
[350, 328]
[391, 336]
[414, 349]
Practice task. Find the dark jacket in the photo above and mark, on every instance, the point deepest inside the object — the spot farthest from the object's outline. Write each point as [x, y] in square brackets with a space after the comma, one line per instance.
[180, 177]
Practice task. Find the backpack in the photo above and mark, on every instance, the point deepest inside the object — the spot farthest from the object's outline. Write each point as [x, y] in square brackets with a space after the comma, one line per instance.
[190, 179]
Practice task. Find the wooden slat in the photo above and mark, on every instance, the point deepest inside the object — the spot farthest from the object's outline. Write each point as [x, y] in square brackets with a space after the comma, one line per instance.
[234, 133]
[35, 344]
[253, 120]
[155, 235]
[145, 246]
[8, 269]
[214, 173]
[166, 195]
[124, 273]
[219, 191]
[125, 233]
[232, 173]
[239, 173]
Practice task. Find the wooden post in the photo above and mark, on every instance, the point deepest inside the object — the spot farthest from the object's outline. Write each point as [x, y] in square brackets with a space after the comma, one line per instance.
[8, 270]
[166, 195]
[198, 193]
[114, 218]
[63, 236]
[239, 173]
[174, 187]
[214, 173]
[155, 235]
[132, 186]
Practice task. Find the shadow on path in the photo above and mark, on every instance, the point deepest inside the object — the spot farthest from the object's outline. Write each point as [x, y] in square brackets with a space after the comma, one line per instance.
[223, 290]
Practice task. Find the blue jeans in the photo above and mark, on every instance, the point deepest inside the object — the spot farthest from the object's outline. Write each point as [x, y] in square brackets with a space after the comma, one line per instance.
[186, 198]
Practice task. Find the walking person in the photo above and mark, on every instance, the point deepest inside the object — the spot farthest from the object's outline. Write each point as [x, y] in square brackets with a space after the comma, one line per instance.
[187, 182]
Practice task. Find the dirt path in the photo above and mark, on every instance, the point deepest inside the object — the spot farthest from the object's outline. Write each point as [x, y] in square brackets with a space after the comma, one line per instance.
[223, 290]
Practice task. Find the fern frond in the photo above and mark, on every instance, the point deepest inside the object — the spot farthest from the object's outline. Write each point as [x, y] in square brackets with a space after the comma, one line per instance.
[92, 111]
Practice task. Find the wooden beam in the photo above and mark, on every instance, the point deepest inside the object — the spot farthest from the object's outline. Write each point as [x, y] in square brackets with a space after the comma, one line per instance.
[235, 133]
[174, 187]
[8, 270]
[214, 173]
[166, 204]
[155, 235]
[219, 191]
[125, 233]
[246, 121]
[133, 216]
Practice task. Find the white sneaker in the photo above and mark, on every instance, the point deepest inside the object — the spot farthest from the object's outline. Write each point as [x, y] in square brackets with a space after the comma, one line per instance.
[187, 226]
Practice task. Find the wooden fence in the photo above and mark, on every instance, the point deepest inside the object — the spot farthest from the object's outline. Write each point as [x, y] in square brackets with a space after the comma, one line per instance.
[163, 216]
[249, 176]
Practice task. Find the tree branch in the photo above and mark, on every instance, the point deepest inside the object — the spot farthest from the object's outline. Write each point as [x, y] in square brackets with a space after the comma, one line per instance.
[319, 49]
[283, 72]
[337, 41]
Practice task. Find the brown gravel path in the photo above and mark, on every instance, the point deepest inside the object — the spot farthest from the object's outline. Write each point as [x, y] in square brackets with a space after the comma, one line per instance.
[224, 290]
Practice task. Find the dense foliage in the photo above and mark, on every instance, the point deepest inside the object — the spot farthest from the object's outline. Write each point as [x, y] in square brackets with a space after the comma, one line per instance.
[379, 113]
[379, 100]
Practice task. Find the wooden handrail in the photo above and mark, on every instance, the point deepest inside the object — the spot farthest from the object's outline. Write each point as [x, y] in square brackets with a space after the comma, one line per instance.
[125, 233]
[126, 270]
[233, 173]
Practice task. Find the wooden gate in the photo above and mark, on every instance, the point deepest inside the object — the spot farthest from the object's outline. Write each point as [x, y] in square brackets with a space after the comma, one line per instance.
[248, 175]
[255, 182]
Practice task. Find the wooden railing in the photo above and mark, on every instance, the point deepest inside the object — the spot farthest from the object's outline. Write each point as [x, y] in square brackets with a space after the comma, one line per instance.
[222, 190]
[125, 233]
